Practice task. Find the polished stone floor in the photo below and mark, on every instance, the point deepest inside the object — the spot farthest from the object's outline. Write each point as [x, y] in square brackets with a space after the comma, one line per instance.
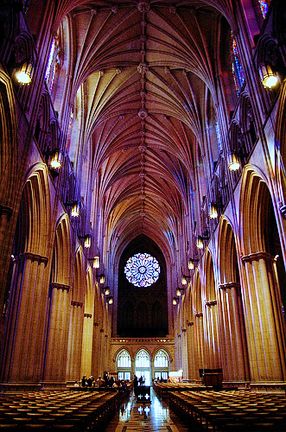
[154, 416]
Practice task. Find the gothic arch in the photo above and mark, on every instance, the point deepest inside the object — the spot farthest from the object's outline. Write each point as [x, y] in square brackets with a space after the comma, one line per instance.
[8, 150]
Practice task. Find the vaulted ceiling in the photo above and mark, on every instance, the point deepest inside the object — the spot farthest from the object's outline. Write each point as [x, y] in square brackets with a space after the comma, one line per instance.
[146, 70]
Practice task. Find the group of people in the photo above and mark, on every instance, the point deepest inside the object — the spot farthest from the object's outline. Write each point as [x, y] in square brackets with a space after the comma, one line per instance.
[107, 381]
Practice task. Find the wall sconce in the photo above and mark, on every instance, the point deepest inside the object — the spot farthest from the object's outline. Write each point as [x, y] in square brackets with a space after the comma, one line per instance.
[110, 300]
[185, 280]
[200, 241]
[175, 301]
[234, 162]
[179, 292]
[268, 78]
[213, 211]
[54, 160]
[87, 241]
[23, 74]
[95, 262]
[106, 291]
[191, 263]
[75, 210]
[101, 279]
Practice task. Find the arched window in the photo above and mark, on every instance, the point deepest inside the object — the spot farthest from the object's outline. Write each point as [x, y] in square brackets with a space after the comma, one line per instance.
[161, 365]
[142, 359]
[264, 6]
[124, 365]
[143, 366]
[237, 69]
[161, 359]
[53, 64]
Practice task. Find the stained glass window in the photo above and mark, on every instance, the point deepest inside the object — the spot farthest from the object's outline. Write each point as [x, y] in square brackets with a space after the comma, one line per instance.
[264, 6]
[53, 62]
[237, 70]
[142, 270]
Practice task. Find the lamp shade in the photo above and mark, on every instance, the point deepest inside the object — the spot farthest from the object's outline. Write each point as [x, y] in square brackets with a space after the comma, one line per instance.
[234, 163]
[213, 213]
[23, 74]
[268, 78]
[96, 262]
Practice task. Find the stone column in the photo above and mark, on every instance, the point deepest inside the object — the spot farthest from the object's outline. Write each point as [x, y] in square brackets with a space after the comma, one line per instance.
[5, 251]
[57, 346]
[192, 369]
[96, 368]
[75, 341]
[101, 351]
[264, 330]
[27, 320]
[199, 344]
[212, 359]
[86, 360]
[184, 350]
[232, 333]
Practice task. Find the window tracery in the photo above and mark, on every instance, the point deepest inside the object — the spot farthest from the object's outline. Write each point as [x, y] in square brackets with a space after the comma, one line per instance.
[264, 6]
[142, 270]
[53, 64]
[237, 69]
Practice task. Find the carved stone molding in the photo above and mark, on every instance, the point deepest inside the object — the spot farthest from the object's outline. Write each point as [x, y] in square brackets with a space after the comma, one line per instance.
[184, 330]
[199, 315]
[190, 323]
[87, 315]
[34, 257]
[211, 303]
[229, 285]
[256, 256]
[60, 286]
[101, 330]
[77, 303]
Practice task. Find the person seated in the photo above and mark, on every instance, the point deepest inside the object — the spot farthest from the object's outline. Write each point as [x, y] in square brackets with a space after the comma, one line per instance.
[84, 381]
[90, 381]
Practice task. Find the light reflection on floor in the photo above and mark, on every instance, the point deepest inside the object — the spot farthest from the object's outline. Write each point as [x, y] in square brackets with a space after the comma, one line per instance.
[154, 416]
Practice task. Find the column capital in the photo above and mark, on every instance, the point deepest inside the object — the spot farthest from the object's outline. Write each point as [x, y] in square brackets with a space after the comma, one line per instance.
[210, 303]
[282, 209]
[198, 315]
[256, 256]
[229, 285]
[60, 286]
[87, 315]
[34, 257]
[184, 330]
[190, 323]
[76, 303]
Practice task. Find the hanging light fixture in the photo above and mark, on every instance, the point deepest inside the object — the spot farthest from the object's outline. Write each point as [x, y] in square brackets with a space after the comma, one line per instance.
[75, 210]
[101, 279]
[184, 280]
[234, 163]
[110, 301]
[23, 74]
[268, 78]
[96, 262]
[199, 242]
[87, 241]
[191, 264]
[106, 291]
[175, 301]
[179, 292]
[55, 160]
[213, 213]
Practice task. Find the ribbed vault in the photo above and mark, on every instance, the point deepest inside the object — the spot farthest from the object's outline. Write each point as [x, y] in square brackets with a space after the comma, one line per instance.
[143, 71]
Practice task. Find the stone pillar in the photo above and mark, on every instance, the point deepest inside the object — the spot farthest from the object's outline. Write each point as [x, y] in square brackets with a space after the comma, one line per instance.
[5, 216]
[262, 311]
[212, 358]
[27, 320]
[75, 341]
[5, 252]
[199, 342]
[192, 369]
[56, 356]
[101, 351]
[232, 333]
[184, 351]
[96, 368]
[86, 359]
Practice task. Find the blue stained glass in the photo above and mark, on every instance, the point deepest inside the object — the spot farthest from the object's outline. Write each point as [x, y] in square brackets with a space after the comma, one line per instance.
[264, 6]
[237, 70]
[142, 270]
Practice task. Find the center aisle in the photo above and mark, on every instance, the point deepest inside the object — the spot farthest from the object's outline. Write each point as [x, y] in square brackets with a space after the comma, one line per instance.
[154, 416]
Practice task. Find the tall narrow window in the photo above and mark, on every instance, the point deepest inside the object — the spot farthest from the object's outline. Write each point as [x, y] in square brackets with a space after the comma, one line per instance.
[264, 6]
[53, 64]
[237, 69]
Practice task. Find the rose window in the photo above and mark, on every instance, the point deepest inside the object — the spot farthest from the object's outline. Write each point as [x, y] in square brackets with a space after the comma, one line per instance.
[142, 270]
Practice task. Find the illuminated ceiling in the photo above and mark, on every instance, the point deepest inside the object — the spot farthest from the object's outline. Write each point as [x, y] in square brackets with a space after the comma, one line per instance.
[145, 70]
